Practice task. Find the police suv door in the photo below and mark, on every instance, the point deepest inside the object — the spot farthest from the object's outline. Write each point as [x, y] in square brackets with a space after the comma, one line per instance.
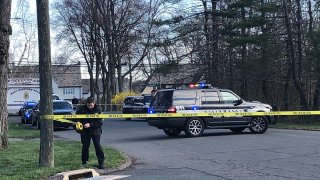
[210, 102]
[228, 99]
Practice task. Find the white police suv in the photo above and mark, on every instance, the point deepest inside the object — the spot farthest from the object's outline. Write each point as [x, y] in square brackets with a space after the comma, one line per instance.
[201, 98]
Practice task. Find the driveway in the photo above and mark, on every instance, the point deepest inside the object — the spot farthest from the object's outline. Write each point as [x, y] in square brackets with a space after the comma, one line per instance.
[219, 154]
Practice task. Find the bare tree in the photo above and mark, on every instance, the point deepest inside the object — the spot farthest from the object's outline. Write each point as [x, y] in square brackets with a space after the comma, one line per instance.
[5, 31]
[24, 43]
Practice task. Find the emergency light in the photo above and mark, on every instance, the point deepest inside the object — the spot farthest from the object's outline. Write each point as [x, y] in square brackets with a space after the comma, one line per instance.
[199, 85]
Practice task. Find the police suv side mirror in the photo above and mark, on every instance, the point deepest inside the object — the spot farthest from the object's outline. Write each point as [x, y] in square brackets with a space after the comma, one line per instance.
[238, 102]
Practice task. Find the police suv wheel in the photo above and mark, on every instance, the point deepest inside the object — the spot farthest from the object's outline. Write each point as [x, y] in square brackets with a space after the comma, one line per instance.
[259, 125]
[237, 129]
[128, 119]
[194, 127]
[172, 132]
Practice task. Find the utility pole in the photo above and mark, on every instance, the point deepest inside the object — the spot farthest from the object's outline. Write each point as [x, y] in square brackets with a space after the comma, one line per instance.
[5, 31]
[46, 156]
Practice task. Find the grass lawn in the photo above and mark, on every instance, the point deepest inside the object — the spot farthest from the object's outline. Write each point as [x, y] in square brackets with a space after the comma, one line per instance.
[21, 159]
[18, 130]
[302, 122]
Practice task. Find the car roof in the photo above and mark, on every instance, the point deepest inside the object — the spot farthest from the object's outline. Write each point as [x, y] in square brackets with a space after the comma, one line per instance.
[192, 89]
[30, 102]
[33, 102]
[61, 100]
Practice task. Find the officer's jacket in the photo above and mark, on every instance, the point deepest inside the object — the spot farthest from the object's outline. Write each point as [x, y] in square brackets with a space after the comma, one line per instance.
[95, 124]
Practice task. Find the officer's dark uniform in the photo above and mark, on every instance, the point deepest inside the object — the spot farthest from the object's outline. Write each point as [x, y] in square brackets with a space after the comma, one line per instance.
[93, 132]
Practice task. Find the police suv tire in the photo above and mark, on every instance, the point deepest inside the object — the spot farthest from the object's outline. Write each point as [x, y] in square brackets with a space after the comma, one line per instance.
[128, 119]
[194, 127]
[237, 129]
[259, 125]
[172, 132]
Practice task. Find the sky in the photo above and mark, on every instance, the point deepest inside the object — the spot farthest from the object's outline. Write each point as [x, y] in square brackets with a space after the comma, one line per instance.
[24, 38]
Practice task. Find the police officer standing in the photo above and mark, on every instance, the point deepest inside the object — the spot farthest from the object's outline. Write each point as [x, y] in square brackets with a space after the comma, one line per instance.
[91, 130]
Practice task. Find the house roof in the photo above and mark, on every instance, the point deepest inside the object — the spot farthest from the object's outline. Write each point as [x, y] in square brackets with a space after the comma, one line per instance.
[86, 85]
[63, 75]
[182, 74]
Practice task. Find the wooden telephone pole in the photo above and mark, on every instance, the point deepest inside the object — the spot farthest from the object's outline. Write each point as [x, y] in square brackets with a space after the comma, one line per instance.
[46, 156]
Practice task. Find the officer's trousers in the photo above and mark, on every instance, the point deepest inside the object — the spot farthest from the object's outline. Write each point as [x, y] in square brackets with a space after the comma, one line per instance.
[85, 140]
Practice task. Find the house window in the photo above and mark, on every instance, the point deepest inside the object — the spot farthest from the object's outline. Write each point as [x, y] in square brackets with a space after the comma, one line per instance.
[68, 91]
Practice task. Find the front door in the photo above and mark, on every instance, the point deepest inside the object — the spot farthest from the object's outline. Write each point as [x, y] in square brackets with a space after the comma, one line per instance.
[228, 100]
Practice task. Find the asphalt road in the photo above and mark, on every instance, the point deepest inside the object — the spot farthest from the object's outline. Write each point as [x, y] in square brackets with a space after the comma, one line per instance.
[219, 154]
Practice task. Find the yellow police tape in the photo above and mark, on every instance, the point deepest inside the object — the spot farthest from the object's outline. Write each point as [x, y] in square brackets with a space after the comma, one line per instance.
[225, 114]
[78, 125]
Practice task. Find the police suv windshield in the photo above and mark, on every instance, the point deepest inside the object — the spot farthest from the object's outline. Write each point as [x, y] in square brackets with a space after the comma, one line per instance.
[61, 105]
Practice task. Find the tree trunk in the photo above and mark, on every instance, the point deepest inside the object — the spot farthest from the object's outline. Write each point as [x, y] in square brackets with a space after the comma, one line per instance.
[315, 105]
[5, 31]
[285, 93]
[130, 76]
[244, 83]
[46, 156]
[208, 60]
[296, 81]
[299, 43]
[214, 46]
[96, 84]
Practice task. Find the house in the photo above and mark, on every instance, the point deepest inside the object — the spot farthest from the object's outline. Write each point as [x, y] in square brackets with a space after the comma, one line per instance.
[66, 82]
[178, 75]
[86, 86]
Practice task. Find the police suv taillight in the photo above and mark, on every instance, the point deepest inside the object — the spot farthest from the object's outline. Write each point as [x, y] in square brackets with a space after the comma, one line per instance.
[172, 110]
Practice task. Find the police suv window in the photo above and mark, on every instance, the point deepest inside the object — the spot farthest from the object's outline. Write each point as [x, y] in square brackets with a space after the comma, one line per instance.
[184, 97]
[210, 97]
[162, 99]
[228, 97]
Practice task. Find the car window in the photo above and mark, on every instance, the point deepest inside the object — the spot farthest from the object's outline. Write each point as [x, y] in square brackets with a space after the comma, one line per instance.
[138, 100]
[128, 100]
[228, 97]
[162, 99]
[147, 99]
[210, 97]
[184, 97]
[61, 105]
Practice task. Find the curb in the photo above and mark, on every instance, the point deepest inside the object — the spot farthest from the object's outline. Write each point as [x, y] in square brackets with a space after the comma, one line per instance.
[81, 173]
[128, 163]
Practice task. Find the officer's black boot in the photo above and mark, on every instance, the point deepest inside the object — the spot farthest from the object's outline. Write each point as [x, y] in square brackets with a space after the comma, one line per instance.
[101, 165]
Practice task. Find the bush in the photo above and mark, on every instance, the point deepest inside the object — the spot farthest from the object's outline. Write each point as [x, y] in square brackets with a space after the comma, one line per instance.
[119, 98]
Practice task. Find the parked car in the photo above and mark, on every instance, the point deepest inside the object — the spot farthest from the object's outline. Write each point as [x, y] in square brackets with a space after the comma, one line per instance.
[135, 105]
[199, 100]
[26, 111]
[60, 107]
